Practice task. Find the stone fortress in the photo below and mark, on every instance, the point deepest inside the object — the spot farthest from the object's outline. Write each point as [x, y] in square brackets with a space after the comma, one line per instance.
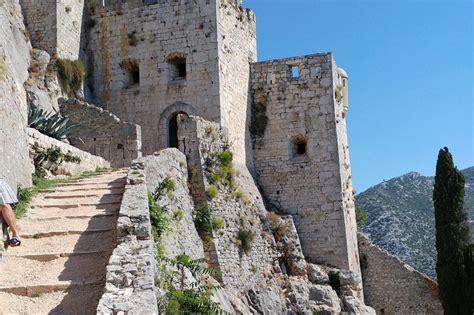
[150, 61]
[153, 60]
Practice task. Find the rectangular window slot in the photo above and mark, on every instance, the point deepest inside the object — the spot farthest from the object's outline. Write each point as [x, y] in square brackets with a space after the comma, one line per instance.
[295, 71]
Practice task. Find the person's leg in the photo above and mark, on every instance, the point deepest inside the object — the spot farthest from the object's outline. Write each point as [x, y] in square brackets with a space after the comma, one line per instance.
[7, 213]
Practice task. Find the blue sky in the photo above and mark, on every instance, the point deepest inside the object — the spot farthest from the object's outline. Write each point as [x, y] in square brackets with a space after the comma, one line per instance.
[410, 66]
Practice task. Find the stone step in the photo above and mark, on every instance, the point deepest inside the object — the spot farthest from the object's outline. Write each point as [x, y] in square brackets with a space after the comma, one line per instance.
[89, 194]
[64, 226]
[40, 274]
[75, 207]
[65, 233]
[82, 299]
[52, 256]
[78, 201]
[93, 191]
[38, 213]
[66, 244]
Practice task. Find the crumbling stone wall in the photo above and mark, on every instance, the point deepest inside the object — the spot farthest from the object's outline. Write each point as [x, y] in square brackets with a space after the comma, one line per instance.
[102, 133]
[14, 60]
[55, 25]
[393, 287]
[300, 154]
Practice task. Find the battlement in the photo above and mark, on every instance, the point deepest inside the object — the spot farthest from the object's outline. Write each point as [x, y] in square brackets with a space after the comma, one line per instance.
[96, 6]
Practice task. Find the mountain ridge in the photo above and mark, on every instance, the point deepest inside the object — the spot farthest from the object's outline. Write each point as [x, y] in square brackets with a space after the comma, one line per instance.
[400, 217]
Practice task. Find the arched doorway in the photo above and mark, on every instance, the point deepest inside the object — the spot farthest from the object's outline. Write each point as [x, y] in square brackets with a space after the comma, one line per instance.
[173, 130]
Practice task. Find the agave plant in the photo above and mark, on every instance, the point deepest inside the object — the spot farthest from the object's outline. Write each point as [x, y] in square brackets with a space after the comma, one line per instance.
[53, 125]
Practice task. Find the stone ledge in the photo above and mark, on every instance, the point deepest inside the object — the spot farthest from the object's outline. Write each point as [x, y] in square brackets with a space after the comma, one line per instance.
[131, 268]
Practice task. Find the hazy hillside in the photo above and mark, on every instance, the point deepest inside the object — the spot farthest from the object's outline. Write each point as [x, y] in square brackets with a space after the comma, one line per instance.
[401, 217]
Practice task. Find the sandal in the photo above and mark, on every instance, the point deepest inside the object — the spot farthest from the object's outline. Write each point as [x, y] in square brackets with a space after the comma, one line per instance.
[14, 241]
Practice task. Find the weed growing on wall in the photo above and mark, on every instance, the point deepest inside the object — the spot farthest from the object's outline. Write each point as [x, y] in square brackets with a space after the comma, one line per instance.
[259, 121]
[53, 156]
[71, 75]
[245, 240]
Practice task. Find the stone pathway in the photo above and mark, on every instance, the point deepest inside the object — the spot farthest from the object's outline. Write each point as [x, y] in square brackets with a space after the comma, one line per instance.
[68, 236]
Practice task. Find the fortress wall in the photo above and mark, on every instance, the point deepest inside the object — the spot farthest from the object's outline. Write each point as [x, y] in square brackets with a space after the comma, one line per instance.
[102, 133]
[69, 26]
[40, 19]
[392, 287]
[14, 60]
[238, 46]
[55, 25]
[148, 36]
[300, 115]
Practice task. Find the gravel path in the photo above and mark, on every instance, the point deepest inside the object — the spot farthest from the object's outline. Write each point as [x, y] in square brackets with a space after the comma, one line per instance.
[68, 236]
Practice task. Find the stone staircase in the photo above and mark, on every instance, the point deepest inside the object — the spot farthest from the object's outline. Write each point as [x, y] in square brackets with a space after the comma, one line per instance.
[68, 236]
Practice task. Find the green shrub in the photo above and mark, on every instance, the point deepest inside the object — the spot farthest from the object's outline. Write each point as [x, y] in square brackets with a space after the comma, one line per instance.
[52, 154]
[238, 194]
[212, 191]
[166, 186]
[361, 216]
[226, 158]
[279, 227]
[218, 223]
[52, 125]
[203, 219]
[3, 69]
[178, 214]
[259, 122]
[24, 197]
[246, 238]
[71, 75]
[158, 217]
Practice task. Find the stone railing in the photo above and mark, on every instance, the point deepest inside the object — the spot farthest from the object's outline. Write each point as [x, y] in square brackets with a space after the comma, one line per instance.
[131, 270]
[89, 162]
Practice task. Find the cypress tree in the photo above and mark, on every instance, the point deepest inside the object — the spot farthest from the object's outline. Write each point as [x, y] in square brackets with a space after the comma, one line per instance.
[452, 236]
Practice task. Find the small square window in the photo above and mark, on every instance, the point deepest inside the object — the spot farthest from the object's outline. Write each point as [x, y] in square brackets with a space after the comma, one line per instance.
[301, 148]
[177, 68]
[295, 71]
[298, 146]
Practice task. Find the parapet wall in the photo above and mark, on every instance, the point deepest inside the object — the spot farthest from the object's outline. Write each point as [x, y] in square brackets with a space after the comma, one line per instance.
[102, 133]
[89, 162]
[132, 266]
[393, 287]
[298, 131]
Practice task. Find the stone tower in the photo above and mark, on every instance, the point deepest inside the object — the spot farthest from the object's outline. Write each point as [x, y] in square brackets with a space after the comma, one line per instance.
[155, 59]
[301, 154]
[55, 25]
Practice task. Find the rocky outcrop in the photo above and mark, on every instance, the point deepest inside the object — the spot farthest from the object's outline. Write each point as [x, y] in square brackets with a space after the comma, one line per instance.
[14, 62]
[268, 275]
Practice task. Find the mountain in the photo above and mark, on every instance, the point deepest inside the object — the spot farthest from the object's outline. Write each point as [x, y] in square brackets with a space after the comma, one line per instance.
[400, 217]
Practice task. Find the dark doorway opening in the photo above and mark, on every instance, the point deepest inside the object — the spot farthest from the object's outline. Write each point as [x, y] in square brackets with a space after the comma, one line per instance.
[173, 130]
